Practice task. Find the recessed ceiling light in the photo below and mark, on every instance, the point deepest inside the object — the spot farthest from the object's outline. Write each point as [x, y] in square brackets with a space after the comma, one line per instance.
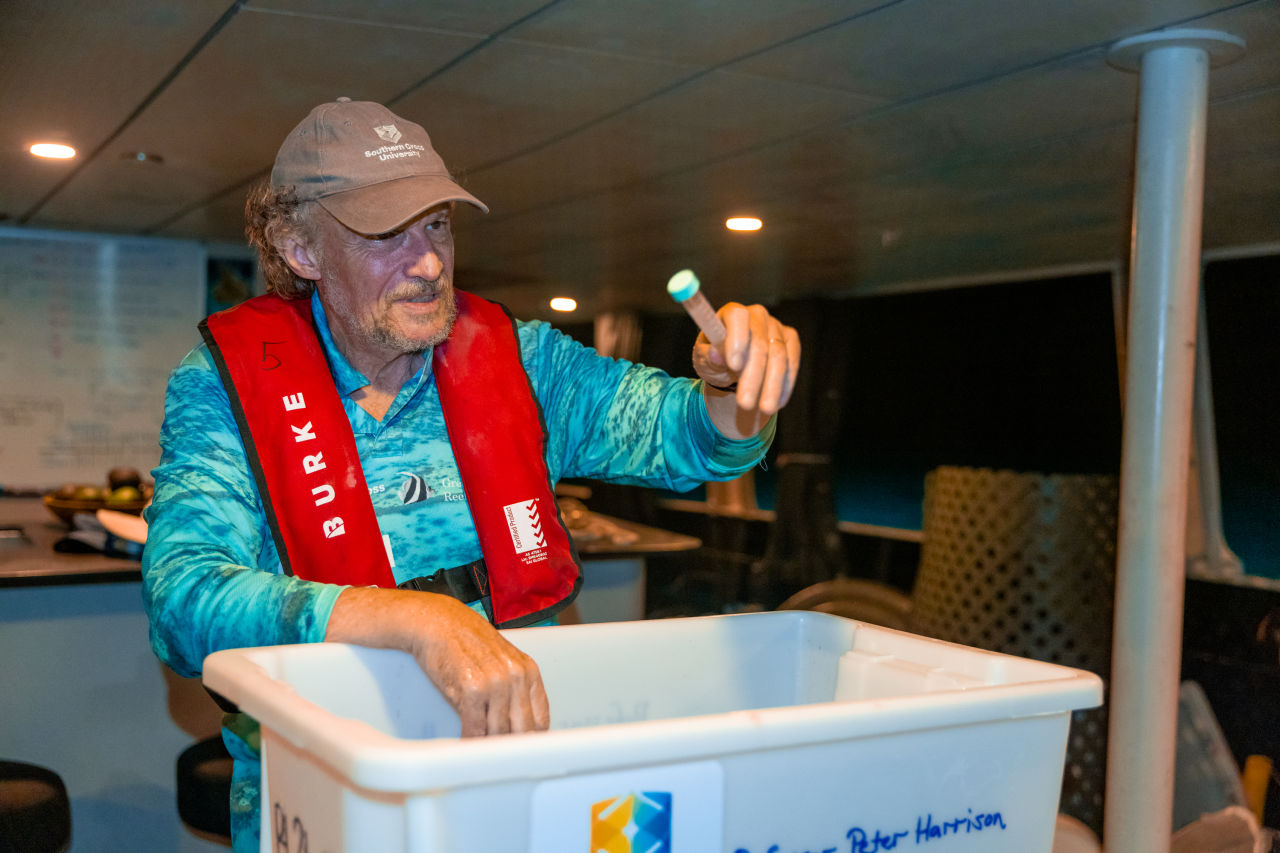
[143, 157]
[53, 150]
[743, 223]
[564, 303]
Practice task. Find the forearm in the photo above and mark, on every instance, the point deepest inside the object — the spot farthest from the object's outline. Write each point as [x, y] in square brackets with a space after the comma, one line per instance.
[383, 618]
[620, 422]
[495, 687]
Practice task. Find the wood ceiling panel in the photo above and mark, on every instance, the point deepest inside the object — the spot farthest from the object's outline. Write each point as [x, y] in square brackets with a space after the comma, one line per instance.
[1259, 24]
[847, 230]
[220, 220]
[1241, 133]
[1049, 172]
[609, 252]
[513, 96]
[223, 118]
[826, 249]
[701, 32]
[714, 116]
[937, 135]
[611, 141]
[919, 46]
[984, 252]
[1003, 207]
[1059, 99]
[675, 215]
[26, 180]
[830, 168]
[625, 262]
[1243, 145]
[475, 17]
[828, 225]
[63, 78]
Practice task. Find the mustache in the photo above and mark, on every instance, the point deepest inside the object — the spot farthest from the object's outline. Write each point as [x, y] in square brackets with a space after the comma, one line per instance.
[417, 288]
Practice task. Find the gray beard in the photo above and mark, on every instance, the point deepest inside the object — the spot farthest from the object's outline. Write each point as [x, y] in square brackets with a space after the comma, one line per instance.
[387, 337]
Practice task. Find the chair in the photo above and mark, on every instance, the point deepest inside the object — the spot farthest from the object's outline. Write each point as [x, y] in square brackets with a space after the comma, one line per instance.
[855, 598]
[1024, 564]
[204, 789]
[35, 813]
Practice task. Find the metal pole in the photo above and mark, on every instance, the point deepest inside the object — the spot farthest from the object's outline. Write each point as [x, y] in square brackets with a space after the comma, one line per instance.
[1208, 552]
[1165, 270]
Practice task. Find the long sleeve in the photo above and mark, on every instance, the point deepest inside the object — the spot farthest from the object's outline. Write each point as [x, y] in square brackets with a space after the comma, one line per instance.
[211, 575]
[612, 420]
[203, 587]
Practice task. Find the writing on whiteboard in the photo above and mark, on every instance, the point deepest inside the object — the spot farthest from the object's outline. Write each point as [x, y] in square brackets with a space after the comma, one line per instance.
[90, 328]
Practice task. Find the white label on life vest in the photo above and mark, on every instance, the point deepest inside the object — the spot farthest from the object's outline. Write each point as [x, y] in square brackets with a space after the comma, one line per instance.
[525, 523]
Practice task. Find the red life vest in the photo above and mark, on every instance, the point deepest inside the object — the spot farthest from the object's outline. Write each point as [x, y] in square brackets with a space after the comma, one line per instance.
[303, 453]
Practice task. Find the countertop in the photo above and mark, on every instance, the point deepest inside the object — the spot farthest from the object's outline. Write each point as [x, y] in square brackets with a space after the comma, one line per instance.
[599, 536]
[30, 560]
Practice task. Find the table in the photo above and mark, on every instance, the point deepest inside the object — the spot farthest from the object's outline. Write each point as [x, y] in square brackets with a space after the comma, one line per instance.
[84, 695]
[29, 559]
[603, 542]
[613, 553]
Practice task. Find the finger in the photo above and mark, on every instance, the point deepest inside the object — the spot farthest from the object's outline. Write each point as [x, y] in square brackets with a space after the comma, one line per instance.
[793, 364]
[737, 339]
[703, 349]
[472, 708]
[499, 691]
[541, 707]
[517, 682]
[775, 377]
[752, 374]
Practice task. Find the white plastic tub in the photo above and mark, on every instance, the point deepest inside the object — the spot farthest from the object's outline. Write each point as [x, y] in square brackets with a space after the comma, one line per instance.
[787, 732]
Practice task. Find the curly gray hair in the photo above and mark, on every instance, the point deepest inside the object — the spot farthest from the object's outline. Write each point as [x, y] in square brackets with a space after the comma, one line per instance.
[270, 215]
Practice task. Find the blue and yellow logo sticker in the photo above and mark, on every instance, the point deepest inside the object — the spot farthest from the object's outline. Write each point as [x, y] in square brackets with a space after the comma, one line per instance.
[634, 823]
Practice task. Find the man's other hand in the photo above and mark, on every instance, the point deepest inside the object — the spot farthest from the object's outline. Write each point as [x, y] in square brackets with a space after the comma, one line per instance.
[494, 687]
[761, 355]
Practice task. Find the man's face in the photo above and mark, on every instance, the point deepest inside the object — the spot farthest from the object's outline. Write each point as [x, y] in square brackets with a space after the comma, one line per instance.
[392, 294]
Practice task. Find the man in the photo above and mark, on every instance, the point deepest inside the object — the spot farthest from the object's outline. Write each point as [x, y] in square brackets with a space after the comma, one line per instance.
[366, 454]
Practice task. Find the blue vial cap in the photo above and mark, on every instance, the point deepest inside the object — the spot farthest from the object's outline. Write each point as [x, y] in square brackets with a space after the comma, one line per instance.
[683, 285]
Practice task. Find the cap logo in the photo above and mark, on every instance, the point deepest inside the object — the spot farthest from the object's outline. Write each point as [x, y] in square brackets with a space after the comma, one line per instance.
[388, 132]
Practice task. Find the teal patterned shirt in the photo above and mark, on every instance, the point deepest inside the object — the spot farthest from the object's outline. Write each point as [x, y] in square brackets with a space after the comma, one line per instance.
[211, 575]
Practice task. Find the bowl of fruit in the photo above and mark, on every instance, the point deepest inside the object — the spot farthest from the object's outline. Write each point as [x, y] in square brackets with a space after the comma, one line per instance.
[123, 491]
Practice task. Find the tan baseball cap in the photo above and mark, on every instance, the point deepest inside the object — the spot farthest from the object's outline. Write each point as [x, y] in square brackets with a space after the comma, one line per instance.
[371, 169]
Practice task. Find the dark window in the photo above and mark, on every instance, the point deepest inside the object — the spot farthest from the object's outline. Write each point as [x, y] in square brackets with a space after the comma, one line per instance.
[1242, 308]
[1020, 376]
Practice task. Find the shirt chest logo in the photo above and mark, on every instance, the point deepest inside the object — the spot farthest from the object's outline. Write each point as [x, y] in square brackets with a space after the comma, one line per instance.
[414, 488]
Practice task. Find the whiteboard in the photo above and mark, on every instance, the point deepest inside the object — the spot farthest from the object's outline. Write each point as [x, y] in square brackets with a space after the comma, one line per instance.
[90, 327]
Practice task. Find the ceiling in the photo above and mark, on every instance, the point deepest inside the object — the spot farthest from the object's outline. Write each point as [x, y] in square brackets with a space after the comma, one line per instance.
[883, 142]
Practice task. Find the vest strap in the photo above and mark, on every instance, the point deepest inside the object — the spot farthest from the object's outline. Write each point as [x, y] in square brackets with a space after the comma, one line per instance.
[298, 441]
[499, 440]
[468, 583]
